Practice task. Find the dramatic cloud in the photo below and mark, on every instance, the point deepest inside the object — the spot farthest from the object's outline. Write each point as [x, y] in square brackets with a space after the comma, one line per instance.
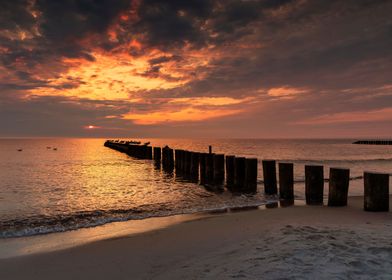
[243, 68]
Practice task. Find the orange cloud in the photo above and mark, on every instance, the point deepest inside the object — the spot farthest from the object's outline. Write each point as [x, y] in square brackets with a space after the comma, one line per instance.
[209, 101]
[350, 117]
[187, 114]
[285, 92]
[109, 77]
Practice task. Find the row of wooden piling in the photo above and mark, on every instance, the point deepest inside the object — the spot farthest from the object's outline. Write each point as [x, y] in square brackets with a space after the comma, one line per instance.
[239, 174]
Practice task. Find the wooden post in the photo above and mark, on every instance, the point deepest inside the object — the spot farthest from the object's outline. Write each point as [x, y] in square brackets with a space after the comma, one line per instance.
[183, 162]
[176, 159]
[219, 169]
[251, 175]
[209, 179]
[230, 172]
[148, 152]
[210, 149]
[339, 179]
[194, 174]
[202, 160]
[167, 158]
[376, 192]
[170, 159]
[269, 173]
[286, 181]
[240, 173]
[187, 170]
[164, 157]
[314, 184]
[157, 154]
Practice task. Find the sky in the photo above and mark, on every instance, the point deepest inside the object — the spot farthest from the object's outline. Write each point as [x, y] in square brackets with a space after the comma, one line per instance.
[196, 68]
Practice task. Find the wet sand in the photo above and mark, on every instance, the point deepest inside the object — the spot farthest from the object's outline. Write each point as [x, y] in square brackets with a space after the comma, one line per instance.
[298, 242]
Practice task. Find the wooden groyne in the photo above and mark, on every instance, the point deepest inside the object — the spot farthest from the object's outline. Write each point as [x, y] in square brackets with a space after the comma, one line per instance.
[373, 142]
[239, 175]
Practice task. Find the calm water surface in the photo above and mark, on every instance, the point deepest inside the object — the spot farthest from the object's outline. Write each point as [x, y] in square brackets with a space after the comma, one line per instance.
[84, 184]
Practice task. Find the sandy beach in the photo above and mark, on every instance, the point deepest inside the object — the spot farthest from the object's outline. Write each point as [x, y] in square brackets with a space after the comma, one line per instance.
[295, 242]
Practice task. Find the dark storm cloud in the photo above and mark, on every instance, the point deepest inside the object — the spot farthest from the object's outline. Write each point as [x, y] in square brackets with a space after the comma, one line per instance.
[339, 45]
[15, 15]
[173, 23]
[71, 20]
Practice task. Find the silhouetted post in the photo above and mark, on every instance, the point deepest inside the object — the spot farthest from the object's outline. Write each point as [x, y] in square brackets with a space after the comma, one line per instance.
[269, 173]
[138, 151]
[187, 170]
[202, 161]
[148, 152]
[171, 159]
[157, 154]
[183, 162]
[167, 158]
[376, 192]
[240, 173]
[209, 179]
[339, 179]
[176, 159]
[230, 172]
[286, 181]
[251, 175]
[219, 168]
[131, 150]
[314, 184]
[194, 166]
[210, 149]
[164, 157]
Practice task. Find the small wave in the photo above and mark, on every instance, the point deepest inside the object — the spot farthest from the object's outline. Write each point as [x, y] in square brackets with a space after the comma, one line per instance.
[41, 224]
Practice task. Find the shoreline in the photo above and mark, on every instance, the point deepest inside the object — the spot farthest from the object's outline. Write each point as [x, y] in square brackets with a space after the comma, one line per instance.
[56, 241]
[238, 243]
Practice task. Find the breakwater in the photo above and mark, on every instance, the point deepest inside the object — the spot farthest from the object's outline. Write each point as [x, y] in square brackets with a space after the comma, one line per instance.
[239, 175]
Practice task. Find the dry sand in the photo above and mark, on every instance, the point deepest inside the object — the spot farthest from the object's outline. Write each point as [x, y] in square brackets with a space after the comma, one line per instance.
[298, 242]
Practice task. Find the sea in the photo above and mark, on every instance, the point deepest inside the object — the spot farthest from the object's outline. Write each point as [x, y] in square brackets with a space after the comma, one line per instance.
[59, 185]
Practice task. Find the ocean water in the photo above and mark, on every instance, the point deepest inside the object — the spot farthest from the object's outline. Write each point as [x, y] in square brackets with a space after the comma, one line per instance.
[84, 184]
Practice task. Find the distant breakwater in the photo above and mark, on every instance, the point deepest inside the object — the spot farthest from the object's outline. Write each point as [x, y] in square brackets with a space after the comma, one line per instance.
[373, 142]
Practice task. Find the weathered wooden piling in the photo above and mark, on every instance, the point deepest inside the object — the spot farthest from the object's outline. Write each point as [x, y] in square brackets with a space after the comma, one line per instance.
[339, 179]
[157, 154]
[194, 172]
[148, 152]
[209, 178]
[167, 158]
[250, 175]
[164, 156]
[182, 161]
[187, 165]
[314, 184]
[202, 162]
[230, 174]
[171, 159]
[269, 173]
[219, 169]
[176, 159]
[239, 173]
[286, 180]
[376, 196]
